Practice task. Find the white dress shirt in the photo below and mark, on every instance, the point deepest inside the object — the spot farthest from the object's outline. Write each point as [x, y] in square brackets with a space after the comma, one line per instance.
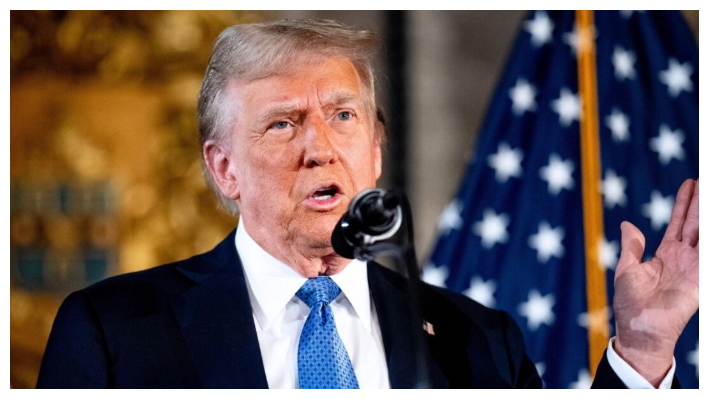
[279, 316]
[630, 377]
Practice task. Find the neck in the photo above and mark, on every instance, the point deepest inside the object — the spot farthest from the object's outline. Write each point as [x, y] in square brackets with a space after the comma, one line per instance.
[309, 259]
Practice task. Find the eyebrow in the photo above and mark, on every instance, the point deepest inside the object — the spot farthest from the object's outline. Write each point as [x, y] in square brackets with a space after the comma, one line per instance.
[339, 98]
[332, 100]
[278, 112]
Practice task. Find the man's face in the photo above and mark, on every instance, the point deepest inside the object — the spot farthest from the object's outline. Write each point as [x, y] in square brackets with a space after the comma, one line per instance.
[302, 146]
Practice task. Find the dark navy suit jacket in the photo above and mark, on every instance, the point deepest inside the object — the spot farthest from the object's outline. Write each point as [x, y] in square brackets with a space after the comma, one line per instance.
[189, 324]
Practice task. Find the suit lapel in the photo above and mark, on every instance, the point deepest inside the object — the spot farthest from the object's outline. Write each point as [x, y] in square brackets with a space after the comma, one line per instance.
[393, 308]
[216, 320]
[470, 358]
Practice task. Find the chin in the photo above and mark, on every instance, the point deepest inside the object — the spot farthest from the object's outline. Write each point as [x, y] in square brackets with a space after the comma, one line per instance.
[333, 264]
[327, 265]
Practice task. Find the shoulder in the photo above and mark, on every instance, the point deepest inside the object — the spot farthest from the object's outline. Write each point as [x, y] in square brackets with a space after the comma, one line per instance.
[165, 278]
[148, 291]
[130, 295]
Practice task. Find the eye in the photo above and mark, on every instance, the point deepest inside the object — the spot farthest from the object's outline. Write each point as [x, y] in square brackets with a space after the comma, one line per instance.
[280, 125]
[344, 116]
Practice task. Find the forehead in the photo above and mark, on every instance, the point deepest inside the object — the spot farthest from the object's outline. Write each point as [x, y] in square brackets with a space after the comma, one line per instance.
[327, 80]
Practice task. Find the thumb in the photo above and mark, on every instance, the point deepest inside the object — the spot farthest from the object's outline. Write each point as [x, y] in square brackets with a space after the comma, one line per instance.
[632, 242]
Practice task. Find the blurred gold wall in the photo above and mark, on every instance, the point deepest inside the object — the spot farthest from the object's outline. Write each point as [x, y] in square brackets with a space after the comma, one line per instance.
[105, 176]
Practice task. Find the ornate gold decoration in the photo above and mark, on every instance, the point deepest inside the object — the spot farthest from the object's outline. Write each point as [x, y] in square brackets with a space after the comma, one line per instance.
[104, 154]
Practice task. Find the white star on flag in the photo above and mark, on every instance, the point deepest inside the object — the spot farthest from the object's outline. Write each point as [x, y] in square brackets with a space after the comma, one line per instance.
[629, 13]
[541, 368]
[506, 162]
[450, 218]
[623, 63]
[547, 242]
[568, 106]
[482, 291]
[619, 125]
[522, 95]
[435, 275]
[608, 253]
[537, 310]
[613, 189]
[676, 77]
[584, 380]
[558, 174]
[658, 210]
[668, 144]
[493, 228]
[693, 359]
[540, 28]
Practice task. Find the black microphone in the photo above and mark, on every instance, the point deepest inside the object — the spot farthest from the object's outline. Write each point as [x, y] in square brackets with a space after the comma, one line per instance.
[373, 215]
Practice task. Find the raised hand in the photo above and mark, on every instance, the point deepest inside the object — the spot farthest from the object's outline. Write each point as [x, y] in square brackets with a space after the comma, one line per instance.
[654, 300]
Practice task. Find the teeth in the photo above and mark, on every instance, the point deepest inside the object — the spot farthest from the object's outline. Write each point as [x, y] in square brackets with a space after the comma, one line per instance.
[324, 193]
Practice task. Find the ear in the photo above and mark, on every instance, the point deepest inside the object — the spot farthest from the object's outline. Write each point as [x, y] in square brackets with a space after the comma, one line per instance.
[378, 137]
[222, 168]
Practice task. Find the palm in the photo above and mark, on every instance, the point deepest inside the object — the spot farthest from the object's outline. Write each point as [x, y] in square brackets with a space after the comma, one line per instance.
[669, 278]
[654, 300]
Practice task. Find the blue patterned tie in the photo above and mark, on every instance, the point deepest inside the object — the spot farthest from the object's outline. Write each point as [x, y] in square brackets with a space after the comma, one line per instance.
[322, 358]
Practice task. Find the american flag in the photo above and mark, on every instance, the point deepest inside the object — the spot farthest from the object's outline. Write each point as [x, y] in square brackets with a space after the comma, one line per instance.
[513, 236]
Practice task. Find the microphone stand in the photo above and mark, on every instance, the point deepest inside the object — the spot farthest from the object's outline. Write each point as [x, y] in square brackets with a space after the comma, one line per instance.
[405, 256]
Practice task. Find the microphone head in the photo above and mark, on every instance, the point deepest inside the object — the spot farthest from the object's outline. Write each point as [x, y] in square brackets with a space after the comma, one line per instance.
[373, 215]
[339, 242]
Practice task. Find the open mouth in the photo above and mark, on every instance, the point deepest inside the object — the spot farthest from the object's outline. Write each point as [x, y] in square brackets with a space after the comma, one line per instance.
[324, 193]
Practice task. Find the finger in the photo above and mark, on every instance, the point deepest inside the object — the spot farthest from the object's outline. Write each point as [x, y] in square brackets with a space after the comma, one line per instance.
[690, 230]
[679, 211]
[632, 243]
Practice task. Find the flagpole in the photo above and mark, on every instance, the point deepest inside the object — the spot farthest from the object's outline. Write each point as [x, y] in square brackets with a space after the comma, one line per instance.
[597, 299]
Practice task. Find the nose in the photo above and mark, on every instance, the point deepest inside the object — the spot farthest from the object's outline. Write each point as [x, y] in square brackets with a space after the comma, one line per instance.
[319, 148]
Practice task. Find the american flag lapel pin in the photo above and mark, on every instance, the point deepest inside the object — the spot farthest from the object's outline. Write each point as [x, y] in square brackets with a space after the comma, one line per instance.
[428, 327]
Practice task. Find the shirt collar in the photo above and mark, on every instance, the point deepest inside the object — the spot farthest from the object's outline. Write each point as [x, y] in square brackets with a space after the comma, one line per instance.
[352, 280]
[272, 283]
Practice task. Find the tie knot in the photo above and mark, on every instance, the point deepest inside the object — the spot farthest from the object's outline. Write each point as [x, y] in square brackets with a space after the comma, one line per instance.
[317, 290]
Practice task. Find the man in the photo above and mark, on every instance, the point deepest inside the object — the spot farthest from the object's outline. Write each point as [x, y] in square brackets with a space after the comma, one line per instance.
[288, 125]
